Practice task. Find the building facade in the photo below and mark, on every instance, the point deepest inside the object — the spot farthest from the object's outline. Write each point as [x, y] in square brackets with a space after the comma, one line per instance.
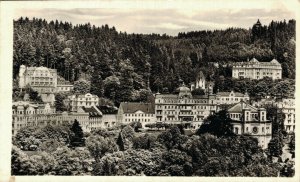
[287, 106]
[136, 112]
[28, 114]
[43, 80]
[184, 108]
[231, 97]
[254, 69]
[75, 102]
[252, 121]
[284, 105]
[40, 79]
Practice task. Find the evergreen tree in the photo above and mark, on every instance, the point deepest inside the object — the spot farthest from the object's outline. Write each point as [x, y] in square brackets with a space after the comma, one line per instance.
[120, 142]
[218, 124]
[77, 140]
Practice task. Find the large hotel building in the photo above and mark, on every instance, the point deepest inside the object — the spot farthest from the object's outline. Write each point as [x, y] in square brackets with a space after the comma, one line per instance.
[43, 80]
[184, 108]
[254, 69]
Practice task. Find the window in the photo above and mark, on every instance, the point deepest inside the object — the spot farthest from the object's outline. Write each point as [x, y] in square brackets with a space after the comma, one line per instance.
[236, 130]
[255, 130]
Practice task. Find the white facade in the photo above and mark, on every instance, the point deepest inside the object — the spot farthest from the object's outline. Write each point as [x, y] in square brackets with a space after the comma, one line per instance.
[136, 112]
[40, 79]
[27, 114]
[252, 121]
[257, 70]
[231, 97]
[288, 108]
[43, 80]
[87, 100]
[184, 108]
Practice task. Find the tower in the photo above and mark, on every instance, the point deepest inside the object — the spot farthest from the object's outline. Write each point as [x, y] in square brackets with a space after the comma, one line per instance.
[22, 79]
[200, 81]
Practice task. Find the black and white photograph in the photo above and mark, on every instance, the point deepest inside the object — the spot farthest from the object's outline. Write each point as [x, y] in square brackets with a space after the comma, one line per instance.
[154, 88]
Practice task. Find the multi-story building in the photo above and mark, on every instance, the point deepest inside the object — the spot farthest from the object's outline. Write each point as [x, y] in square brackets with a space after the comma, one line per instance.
[40, 79]
[43, 80]
[184, 108]
[254, 69]
[252, 121]
[77, 101]
[287, 105]
[28, 114]
[136, 112]
[231, 97]
[63, 85]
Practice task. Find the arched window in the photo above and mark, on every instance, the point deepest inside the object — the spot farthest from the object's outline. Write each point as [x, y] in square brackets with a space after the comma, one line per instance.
[236, 130]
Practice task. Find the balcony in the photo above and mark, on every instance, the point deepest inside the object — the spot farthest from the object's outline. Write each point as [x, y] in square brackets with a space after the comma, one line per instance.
[186, 114]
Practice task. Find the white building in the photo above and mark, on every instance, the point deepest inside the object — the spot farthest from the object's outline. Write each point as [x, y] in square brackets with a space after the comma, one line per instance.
[254, 69]
[89, 118]
[184, 108]
[288, 108]
[136, 112]
[231, 97]
[40, 79]
[252, 121]
[86, 100]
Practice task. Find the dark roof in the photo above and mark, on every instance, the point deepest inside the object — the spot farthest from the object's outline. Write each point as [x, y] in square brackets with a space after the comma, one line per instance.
[93, 112]
[166, 96]
[108, 109]
[132, 107]
[239, 107]
[200, 75]
[226, 94]
[62, 81]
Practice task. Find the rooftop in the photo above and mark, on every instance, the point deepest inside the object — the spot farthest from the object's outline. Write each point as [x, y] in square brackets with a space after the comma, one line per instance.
[239, 107]
[132, 107]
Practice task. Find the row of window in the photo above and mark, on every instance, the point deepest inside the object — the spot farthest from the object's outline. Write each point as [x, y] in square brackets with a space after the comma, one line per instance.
[135, 119]
[183, 107]
[180, 119]
[33, 112]
[138, 115]
[183, 101]
[232, 99]
[255, 130]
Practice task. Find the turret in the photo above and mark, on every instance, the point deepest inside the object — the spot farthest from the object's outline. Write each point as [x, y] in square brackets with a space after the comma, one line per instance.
[22, 82]
[262, 114]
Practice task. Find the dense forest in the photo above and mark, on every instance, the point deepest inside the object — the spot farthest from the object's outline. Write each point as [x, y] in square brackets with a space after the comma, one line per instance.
[120, 66]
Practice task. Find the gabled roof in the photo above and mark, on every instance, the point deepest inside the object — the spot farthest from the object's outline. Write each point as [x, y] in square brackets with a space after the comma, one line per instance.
[166, 96]
[24, 104]
[274, 61]
[200, 75]
[253, 60]
[239, 107]
[227, 94]
[93, 111]
[62, 81]
[132, 107]
[108, 109]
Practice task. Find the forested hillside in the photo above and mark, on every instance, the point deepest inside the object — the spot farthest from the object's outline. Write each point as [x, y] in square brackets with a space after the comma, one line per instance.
[119, 65]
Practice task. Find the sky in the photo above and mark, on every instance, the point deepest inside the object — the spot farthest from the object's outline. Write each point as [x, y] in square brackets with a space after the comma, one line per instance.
[170, 16]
